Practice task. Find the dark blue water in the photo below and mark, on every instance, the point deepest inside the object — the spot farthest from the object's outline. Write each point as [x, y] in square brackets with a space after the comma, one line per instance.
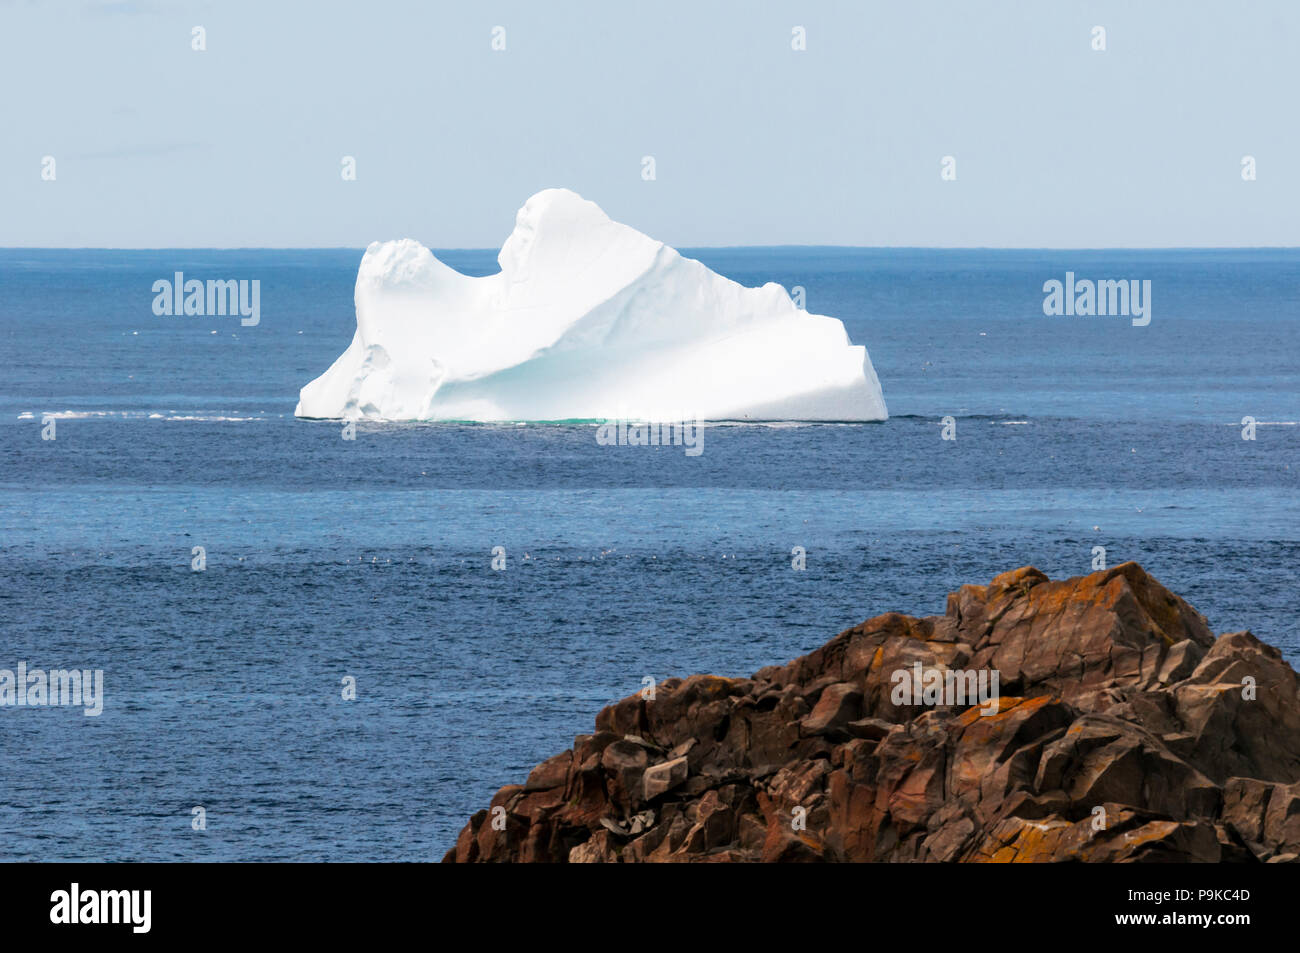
[371, 559]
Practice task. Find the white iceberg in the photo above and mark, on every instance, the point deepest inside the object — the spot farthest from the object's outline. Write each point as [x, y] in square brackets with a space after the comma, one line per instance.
[588, 319]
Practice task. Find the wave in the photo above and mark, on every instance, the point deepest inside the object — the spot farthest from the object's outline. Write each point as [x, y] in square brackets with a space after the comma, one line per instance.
[140, 415]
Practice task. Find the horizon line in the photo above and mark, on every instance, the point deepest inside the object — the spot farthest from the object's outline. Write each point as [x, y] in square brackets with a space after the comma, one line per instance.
[462, 248]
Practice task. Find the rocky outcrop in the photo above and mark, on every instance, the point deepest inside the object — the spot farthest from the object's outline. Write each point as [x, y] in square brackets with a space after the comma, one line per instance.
[1121, 729]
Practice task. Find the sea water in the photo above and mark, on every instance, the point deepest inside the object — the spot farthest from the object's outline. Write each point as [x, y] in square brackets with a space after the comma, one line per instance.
[333, 566]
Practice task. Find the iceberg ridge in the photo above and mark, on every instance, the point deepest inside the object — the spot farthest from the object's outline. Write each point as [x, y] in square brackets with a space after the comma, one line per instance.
[587, 319]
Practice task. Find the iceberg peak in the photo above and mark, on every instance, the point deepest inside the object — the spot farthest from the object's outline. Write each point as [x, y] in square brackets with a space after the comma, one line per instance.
[587, 319]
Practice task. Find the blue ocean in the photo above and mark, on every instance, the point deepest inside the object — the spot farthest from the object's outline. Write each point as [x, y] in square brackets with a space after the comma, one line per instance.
[330, 563]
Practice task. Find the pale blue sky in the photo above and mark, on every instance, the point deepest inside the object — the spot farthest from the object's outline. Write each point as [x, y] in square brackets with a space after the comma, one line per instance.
[157, 145]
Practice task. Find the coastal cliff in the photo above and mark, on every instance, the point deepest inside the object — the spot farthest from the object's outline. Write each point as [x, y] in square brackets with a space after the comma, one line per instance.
[1111, 725]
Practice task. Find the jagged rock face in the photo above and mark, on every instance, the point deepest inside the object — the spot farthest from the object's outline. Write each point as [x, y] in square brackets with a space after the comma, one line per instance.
[1122, 730]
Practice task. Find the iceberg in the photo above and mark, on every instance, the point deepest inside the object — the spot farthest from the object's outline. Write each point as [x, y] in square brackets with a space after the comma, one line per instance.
[588, 319]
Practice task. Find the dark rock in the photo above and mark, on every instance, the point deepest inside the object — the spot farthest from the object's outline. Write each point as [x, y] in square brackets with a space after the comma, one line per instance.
[1121, 731]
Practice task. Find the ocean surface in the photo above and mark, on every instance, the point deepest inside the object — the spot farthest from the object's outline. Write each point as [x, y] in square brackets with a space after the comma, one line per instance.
[371, 559]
